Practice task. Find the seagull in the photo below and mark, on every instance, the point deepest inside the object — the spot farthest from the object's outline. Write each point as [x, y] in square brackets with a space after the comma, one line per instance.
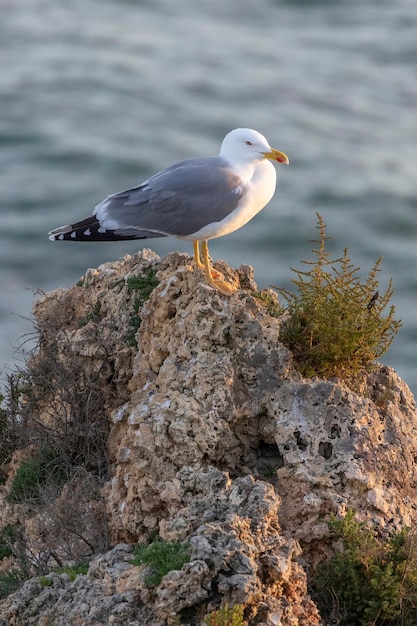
[196, 200]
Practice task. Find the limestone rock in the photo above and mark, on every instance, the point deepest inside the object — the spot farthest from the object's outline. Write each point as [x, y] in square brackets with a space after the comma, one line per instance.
[212, 384]
[90, 600]
[214, 439]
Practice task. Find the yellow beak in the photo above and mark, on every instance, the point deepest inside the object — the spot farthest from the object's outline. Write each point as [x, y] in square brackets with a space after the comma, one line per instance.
[276, 155]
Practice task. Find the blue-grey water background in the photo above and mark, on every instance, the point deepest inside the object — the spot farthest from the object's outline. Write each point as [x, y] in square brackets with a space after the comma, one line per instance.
[96, 95]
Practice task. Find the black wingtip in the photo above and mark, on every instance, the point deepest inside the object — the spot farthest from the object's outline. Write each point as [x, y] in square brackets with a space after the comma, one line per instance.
[86, 230]
[90, 229]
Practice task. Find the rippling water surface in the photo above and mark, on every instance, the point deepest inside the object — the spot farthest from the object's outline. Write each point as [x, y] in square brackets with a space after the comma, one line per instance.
[96, 96]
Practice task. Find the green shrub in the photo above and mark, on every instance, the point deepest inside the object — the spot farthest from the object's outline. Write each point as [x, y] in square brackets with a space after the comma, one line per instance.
[8, 536]
[226, 616]
[5, 550]
[336, 324]
[10, 424]
[269, 300]
[31, 476]
[144, 284]
[73, 570]
[11, 581]
[64, 407]
[162, 557]
[371, 581]
[94, 315]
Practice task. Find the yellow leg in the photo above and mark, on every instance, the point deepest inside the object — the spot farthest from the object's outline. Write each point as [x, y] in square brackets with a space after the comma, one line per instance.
[218, 284]
[215, 274]
[197, 255]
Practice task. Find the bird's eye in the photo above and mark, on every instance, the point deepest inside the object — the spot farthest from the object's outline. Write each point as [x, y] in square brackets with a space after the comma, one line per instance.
[248, 143]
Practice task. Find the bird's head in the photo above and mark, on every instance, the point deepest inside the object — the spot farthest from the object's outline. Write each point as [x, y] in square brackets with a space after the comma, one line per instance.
[245, 145]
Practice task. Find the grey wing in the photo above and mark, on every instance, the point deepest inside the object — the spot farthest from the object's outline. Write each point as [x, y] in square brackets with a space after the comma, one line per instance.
[177, 201]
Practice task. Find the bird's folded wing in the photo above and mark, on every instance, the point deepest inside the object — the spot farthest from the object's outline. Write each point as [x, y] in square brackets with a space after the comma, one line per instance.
[178, 201]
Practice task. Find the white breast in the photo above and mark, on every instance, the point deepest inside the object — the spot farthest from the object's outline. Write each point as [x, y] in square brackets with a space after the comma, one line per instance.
[259, 181]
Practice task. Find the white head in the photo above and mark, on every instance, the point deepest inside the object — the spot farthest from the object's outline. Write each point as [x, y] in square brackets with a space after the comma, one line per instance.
[244, 145]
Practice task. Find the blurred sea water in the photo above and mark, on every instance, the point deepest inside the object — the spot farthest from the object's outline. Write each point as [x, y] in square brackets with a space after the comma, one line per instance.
[96, 96]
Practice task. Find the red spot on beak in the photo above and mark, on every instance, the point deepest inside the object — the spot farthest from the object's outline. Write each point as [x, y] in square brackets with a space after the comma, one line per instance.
[282, 159]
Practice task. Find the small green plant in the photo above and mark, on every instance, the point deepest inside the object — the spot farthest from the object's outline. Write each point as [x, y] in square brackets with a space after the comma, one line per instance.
[269, 470]
[5, 550]
[32, 475]
[45, 581]
[162, 557]
[226, 616]
[11, 581]
[371, 581]
[144, 284]
[269, 300]
[8, 536]
[337, 324]
[73, 571]
[94, 315]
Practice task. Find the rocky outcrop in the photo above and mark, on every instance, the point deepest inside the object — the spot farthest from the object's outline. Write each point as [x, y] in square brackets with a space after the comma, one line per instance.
[216, 440]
